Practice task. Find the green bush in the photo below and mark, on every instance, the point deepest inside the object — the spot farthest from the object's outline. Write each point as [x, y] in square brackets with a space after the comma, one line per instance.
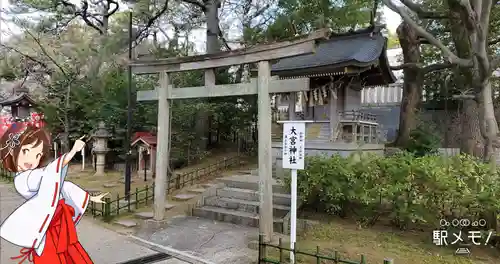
[405, 189]
[423, 141]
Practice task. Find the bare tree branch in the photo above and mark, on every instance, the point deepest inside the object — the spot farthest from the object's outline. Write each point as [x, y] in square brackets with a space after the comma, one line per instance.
[436, 67]
[425, 69]
[407, 65]
[447, 53]
[471, 14]
[196, 3]
[26, 74]
[152, 20]
[260, 11]
[421, 12]
[43, 64]
[44, 51]
[223, 39]
[484, 19]
[114, 9]
[83, 12]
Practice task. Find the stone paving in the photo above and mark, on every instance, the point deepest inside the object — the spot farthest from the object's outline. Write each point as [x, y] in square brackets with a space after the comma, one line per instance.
[103, 245]
[218, 242]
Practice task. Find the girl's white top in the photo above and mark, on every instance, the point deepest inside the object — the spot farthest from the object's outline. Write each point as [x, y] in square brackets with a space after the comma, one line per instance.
[42, 188]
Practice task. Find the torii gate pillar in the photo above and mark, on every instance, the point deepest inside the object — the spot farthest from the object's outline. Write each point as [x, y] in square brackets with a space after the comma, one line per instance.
[264, 150]
[162, 156]
[262, 87]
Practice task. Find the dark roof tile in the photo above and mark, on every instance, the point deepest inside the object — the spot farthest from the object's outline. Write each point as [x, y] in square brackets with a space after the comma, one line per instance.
[17, 98]
[357, 48]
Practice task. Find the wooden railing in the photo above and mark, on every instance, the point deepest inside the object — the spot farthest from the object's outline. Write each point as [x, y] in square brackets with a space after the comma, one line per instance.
[357, 116]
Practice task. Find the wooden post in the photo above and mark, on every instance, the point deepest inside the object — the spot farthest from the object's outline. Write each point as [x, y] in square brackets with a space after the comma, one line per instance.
[55, 150]
[140, 159]
[145, 169]
[203, 121]
[83, 159]
[265, 156]
[333, 114]
[152, 161]
[292, 100]
[162, 154]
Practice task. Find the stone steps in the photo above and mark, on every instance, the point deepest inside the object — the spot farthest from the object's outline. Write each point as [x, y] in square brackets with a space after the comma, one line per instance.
[250, 183]
[196, 190]
[183, 197]
[233, 216]
[251, 195]
[279, 211]
[149, 214]
[238, 201]
[324, 132]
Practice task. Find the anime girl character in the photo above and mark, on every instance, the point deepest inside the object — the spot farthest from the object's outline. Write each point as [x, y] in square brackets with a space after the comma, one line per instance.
[45, 224]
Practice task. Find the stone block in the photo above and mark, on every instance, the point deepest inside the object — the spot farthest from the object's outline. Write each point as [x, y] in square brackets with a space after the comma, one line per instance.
[126, 223]
[144, 215]
[123, 181]
[154, 224]
[184, 197]
[197, 190]
[169, 206]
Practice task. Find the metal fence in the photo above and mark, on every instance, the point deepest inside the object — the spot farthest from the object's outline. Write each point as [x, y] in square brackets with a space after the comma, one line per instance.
[114, 207]
[317, 257]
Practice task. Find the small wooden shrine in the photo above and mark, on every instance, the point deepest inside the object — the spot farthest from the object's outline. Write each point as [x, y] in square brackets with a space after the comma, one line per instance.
[20, 103]
[338, 71]
[145, 145]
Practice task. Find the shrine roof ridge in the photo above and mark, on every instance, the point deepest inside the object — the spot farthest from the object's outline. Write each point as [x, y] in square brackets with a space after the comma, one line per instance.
[146, 137]
[17, 98]
[362, 48]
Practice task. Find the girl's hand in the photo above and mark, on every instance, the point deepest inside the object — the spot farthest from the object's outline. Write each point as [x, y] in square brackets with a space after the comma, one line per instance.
[98, 198]
[79, 145]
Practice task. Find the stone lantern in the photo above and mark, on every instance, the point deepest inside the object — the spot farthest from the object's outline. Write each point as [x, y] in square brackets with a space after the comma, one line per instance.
[100, 136]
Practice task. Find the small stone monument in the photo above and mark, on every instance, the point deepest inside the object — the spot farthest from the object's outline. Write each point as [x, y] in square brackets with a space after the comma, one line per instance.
[100, 136]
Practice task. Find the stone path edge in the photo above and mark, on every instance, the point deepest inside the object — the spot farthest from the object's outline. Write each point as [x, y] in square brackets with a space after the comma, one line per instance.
[171, 251]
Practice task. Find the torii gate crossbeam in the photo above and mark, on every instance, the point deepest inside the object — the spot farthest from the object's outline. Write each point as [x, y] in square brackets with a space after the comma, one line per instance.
[261, 54]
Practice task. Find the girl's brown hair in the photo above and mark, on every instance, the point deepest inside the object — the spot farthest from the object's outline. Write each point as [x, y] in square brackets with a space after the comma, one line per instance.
[32, 135]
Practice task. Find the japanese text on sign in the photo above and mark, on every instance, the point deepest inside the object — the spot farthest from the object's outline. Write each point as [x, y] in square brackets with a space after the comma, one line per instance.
[294, 145]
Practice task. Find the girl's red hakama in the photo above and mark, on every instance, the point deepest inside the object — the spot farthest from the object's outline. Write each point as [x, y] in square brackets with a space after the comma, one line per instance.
[61, 241]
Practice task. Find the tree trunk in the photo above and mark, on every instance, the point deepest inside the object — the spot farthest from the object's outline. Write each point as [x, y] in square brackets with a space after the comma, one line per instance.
[412, 87]
[212, 46]
[489, 126]
[66, 126]
[470, 133]
[212, 16]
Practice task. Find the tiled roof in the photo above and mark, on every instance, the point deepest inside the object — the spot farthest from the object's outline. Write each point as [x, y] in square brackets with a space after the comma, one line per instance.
[146, 137]
[356, 49]
[17, 98]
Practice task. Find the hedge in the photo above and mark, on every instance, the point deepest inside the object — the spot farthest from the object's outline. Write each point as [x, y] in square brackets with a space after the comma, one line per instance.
[403, 189]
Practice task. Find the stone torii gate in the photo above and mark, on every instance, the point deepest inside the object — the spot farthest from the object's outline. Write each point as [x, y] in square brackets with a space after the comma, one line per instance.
[263, 85]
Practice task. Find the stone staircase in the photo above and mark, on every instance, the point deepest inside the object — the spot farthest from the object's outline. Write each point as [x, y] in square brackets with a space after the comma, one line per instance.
[324, 131]
[182, 199]
[237, 202]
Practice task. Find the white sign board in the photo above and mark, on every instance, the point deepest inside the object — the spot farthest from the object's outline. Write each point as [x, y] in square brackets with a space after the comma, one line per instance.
[294, 139]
